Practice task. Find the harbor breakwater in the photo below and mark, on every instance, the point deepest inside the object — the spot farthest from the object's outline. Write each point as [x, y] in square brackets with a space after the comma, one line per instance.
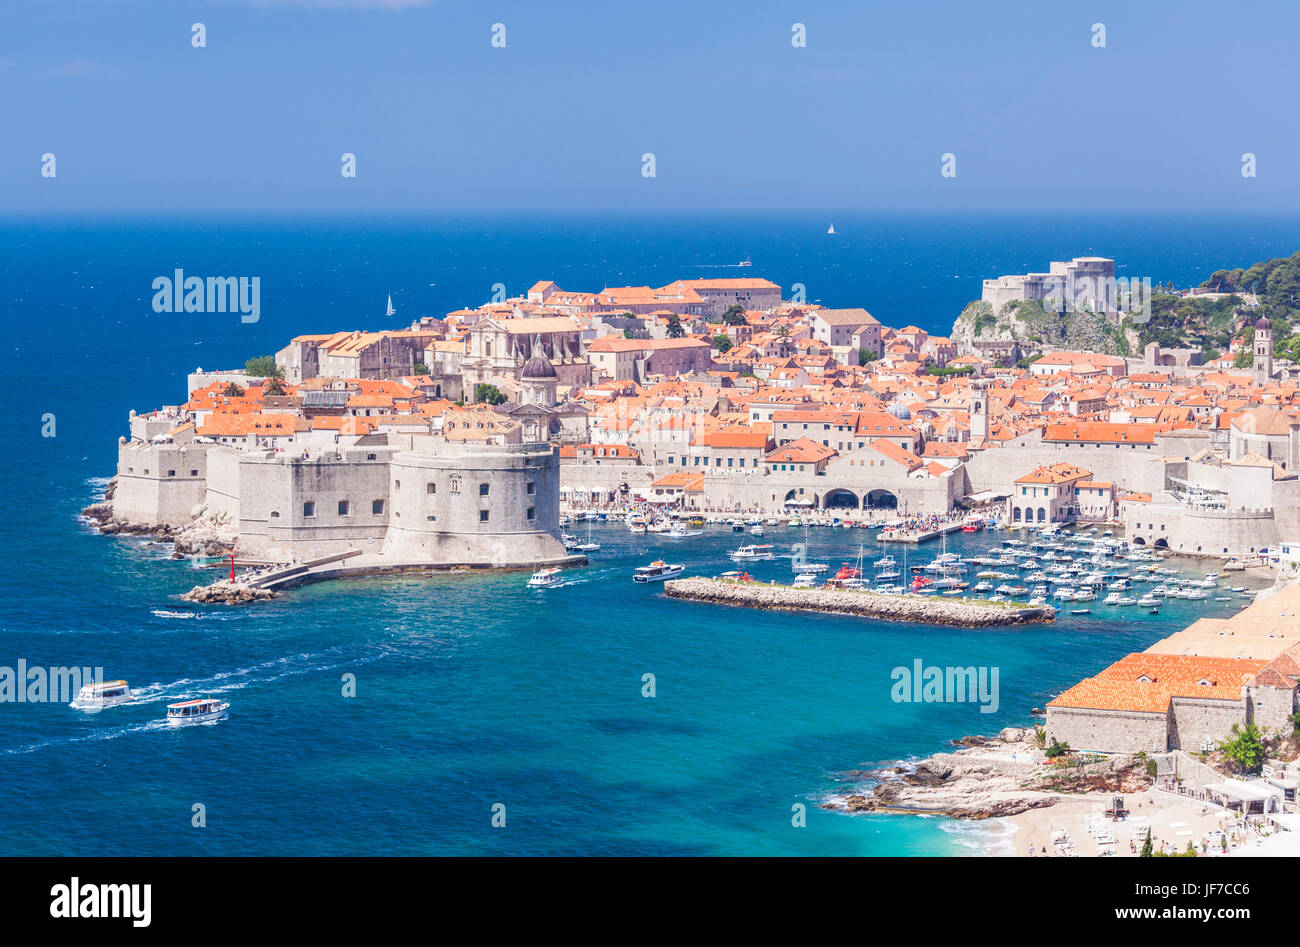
[966, 613]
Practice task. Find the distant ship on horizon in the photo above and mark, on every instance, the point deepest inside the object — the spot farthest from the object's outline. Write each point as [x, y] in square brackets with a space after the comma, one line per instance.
[830, 229]
[391, 310]
[745, 262]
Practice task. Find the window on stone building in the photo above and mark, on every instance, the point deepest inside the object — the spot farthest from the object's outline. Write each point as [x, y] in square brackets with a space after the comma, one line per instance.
[531, 513]
[377, 507]
[309, 508]
[344, 507]
[483, 489]
[430, 488]
[482, 516]
[531, 488]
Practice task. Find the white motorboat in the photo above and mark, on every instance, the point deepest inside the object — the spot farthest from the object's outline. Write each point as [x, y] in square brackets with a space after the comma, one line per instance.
[1149, 600]
[636, 524]
[756, 530]
[203, 710]
[544, 579]
[805, 580]
[753, 552]
[657, 571]
[1111, 599]
[97, 696]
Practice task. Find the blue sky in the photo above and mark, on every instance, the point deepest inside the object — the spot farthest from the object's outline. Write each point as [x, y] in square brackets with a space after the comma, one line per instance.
[736, 117]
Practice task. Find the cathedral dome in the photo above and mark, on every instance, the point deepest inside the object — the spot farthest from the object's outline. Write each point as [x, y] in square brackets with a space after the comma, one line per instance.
[539, 367]
[900, 411]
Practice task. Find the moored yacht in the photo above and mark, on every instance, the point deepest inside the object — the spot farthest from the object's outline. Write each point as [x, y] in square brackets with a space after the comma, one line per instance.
[753, 552]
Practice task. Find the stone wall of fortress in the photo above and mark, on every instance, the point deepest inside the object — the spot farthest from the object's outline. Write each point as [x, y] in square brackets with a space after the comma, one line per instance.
[1129, 466]
[1197, 722]
[1271, 708]
[1111, 731]
[290, 508]
[333, 501]
[492, 505]
[222, 496]
[1198, 532]
[159, 483]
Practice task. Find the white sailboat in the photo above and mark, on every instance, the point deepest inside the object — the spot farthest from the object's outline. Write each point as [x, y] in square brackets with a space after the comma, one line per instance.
[830, 229]
[391, 310]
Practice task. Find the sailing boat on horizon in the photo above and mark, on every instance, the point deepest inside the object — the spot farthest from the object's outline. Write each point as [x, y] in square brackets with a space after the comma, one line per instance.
[391, 310]
[830, 229]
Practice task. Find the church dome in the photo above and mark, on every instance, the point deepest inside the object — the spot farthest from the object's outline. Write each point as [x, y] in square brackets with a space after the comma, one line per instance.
[1263, 323]
[900, 411]
[539, 366]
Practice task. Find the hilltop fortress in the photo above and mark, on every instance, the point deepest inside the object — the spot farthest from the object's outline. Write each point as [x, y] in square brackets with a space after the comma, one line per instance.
[458, 439]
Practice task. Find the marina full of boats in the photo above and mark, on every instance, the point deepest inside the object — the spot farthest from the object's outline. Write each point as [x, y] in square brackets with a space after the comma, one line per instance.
[1079, 571]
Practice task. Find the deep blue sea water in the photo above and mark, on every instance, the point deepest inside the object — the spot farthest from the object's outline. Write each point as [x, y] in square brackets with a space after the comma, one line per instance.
[474, 690]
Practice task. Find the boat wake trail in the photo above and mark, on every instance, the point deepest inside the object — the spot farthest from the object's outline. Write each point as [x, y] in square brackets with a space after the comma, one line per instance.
[94, 737]
[267, 672]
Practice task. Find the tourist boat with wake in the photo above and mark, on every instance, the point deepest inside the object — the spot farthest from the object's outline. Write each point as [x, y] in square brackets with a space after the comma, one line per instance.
[96, 696]
[202, 710]
[544, 579]
[753, 552]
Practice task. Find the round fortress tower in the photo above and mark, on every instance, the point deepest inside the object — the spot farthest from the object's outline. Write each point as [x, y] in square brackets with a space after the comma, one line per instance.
[475, 505]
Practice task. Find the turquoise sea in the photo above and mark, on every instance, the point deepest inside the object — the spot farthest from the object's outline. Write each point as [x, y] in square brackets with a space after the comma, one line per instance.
[473, 691]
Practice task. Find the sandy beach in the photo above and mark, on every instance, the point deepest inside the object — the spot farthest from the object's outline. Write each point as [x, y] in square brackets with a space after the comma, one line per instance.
[1173, 823]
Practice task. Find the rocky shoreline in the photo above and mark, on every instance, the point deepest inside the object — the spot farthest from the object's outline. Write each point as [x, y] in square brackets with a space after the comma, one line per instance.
[966, 613]
[990, 777]
[225, 592]
[207, 534]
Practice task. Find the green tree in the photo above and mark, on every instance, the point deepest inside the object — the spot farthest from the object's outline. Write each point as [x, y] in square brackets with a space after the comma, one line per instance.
[1244, 748]
[1147, 847]
[734, 315]
[722, 342]
[487, 393]
[1244, 358]
[629, 334]
[1056, 748]
[233, 391]
[263, 366]
[866, 355]
[274, 387]
[675, 330]
[420, 368]
[782, 331]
